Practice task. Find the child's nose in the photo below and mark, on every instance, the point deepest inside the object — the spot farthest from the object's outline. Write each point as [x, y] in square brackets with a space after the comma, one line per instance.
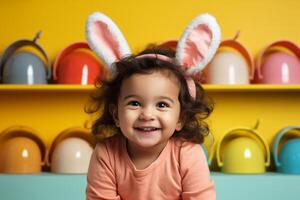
[146, 114]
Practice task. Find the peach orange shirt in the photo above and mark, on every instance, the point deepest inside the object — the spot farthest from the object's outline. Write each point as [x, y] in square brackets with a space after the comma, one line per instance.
[180, 172]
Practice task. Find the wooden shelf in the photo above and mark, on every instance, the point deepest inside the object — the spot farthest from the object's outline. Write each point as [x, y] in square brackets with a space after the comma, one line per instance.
[208, 87]
[45, 87]
[251, 88]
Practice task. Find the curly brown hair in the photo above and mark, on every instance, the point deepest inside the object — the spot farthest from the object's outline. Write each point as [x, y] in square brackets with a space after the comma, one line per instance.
[192, 111]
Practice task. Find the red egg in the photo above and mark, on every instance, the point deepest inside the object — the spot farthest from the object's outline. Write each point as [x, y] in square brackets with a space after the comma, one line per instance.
[76, 64]
[78, 67]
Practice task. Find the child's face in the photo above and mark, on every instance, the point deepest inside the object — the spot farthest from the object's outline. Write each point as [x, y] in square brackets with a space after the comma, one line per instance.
[148, 109]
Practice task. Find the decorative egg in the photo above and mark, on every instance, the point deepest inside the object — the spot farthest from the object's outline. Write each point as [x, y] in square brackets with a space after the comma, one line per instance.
[76, 64]
[24, 68]
[243, 151]
[286, 152]
[78, 67]
[228, 68]
[20, 155]
[243, 155]
[289, 157]
[280, 68]
[71, 155]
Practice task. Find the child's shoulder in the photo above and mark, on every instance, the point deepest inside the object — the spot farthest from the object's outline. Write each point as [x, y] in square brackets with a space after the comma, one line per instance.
[188, 154]
[183, 143]
[110, 144]
[186, 148]
[115, 139]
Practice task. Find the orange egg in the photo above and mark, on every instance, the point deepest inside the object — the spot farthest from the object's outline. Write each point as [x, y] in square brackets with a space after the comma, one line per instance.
[20, 155]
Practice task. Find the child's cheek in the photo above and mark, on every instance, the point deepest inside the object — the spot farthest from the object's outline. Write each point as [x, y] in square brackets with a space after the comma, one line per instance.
[170, 117]
[128, 115]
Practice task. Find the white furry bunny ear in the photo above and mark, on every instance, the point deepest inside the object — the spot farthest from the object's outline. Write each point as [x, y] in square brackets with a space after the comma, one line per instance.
[198, 43]
[105, 38]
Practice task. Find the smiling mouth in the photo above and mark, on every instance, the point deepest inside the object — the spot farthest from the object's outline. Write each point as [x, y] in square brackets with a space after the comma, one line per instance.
[147, 129]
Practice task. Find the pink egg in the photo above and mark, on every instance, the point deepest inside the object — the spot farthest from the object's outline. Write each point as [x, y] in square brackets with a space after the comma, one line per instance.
[280, 68]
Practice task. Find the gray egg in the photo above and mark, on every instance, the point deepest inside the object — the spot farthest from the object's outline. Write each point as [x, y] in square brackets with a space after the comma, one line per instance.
[24, 68]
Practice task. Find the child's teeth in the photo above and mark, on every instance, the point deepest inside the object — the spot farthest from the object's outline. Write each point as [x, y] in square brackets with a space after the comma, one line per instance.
[148, 129]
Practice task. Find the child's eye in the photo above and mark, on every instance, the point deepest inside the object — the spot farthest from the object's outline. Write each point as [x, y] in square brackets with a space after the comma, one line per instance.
[163, 105]
[134, 103]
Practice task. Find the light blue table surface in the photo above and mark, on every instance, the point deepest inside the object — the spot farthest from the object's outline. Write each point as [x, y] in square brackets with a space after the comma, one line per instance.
[48, 186]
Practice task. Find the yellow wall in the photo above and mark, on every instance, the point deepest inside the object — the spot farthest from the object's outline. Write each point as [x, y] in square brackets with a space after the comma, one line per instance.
[143, 22]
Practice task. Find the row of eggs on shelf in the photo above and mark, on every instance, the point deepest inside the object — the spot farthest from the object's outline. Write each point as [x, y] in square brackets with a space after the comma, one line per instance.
[278, 63]
[243, 150]
[22, 151]
[240, 151]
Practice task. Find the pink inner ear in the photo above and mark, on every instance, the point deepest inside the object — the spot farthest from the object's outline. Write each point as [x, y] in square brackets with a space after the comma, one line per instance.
[107, 40]
[197, 45]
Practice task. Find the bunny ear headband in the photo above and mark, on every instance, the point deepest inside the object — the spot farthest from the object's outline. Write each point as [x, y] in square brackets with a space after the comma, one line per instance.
[196, 46]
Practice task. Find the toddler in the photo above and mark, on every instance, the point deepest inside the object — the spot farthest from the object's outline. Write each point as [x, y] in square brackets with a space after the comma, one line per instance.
[151, 116]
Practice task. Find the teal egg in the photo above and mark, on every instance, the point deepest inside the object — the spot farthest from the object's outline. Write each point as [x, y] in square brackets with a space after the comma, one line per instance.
[289, 157]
